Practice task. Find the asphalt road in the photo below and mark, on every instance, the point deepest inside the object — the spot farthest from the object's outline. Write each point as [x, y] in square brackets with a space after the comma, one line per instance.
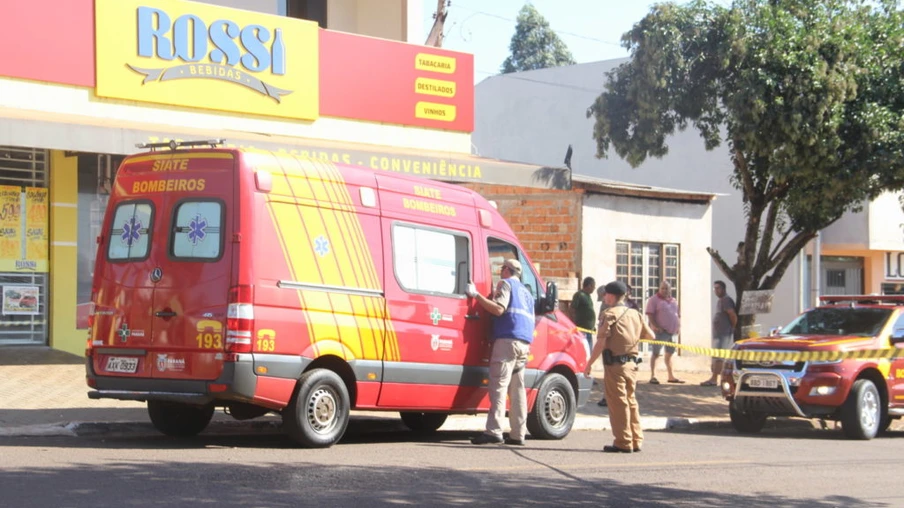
[703, 468]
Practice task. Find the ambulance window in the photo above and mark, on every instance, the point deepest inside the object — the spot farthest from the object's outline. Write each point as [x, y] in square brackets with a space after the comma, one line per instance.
[431, 261]
[196, 233]
[130, 234]
[499, 251]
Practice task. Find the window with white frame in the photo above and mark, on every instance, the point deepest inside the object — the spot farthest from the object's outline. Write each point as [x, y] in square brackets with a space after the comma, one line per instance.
[643, 266]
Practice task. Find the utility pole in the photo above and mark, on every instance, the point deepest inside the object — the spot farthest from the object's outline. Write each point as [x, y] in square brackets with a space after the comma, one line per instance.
[435, 38]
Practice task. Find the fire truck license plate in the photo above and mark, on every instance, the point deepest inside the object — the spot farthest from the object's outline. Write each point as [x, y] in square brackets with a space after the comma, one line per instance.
[122, 364]
[762, 382]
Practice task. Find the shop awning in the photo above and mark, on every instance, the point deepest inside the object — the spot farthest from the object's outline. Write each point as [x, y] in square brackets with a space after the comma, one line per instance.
[444, 166]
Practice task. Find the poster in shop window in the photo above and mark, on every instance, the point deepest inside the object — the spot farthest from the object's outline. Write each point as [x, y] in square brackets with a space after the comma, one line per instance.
[20, 301]
[23, 229]
[36, 225]
[10, 226]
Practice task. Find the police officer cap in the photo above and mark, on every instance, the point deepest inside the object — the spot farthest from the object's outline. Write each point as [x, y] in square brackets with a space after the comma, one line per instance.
[617, 288]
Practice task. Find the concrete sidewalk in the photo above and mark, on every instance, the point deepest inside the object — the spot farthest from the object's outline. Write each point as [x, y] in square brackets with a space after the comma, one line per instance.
[43, 392]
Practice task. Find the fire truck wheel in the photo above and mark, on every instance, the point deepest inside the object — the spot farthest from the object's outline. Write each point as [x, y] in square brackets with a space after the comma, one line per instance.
[318, 414]
[861, 413]
[886, 423]
[179, 420]
[746, 422]
[423, 422]
[554, 411]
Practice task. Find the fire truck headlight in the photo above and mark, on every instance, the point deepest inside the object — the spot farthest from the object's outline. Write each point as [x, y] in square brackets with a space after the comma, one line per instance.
[822, 390]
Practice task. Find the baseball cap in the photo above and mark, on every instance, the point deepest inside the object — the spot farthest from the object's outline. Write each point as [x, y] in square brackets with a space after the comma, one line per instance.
[617, 288]
[514, 266]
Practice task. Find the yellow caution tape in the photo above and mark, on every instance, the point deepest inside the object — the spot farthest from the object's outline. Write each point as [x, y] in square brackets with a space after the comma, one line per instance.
[782, 356]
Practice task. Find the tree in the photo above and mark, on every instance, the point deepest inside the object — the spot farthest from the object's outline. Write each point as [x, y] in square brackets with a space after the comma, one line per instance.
[535, 45]
[808, 95]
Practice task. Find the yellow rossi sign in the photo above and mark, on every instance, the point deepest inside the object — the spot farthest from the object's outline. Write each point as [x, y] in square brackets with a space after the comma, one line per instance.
[205, 56]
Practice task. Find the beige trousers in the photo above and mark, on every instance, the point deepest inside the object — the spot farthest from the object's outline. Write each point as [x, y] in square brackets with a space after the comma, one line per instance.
[624, 414]
[507, 363]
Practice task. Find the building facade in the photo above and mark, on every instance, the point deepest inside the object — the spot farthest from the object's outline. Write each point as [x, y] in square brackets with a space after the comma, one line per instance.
[106, 75]
[859, 253]
[610, 230]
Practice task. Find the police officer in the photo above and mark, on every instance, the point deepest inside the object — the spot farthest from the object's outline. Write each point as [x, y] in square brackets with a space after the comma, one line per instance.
[620, 331]
[513, 332]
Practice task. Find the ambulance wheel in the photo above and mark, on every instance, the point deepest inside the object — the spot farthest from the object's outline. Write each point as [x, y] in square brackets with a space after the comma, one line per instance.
[318, 414]
[554, 410]
[746, 422]
[861, 413]
[423, 422]
[179, 420]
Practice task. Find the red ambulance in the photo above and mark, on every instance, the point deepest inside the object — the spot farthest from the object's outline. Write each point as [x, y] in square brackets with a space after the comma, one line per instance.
[263, 282]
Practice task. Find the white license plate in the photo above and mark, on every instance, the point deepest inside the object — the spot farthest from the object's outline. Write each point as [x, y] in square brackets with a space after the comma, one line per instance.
[122, 364]
[762, 382]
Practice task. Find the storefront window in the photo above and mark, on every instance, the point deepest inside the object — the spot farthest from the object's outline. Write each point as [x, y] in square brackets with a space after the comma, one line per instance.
[95, 179]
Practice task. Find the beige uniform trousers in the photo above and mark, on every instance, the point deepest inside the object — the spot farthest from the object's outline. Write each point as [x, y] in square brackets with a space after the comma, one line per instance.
[624, 414]
[507, 378]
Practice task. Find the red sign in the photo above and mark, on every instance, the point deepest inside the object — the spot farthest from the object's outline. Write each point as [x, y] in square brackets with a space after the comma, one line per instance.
[48, 40]
[385, 81]
[361, 78]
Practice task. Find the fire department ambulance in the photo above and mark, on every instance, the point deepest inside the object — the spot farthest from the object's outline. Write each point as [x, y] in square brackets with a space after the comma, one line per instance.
[262, 282]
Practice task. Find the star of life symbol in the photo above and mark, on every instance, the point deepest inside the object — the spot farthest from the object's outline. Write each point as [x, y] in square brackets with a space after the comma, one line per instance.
[321, 246]
[124, 332]
[131, 231]
[435, 316]
[196, 229]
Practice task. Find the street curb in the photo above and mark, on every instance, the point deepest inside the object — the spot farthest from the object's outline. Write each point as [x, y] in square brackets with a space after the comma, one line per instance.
[453, 424]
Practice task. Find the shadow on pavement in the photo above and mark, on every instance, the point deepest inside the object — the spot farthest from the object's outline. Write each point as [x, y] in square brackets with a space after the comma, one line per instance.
[37, 355]
[182, 483]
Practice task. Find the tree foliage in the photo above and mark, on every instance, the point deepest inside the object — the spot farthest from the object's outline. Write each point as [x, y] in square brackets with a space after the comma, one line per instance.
[535, 45]
[807, 94]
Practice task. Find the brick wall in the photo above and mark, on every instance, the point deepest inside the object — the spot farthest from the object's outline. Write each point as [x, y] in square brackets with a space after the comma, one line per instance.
[546, 222]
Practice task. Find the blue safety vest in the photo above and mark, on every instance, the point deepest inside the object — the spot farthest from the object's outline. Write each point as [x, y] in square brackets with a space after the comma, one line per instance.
[517, 322]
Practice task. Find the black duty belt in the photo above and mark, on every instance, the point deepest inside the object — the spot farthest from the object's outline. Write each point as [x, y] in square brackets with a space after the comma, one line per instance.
[610, 359]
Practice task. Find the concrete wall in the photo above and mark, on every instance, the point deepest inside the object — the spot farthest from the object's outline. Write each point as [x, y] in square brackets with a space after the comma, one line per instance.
[851, 231]
[608, 219]
[398, 20]
[534, 116]
[386, 19]
[264, 6]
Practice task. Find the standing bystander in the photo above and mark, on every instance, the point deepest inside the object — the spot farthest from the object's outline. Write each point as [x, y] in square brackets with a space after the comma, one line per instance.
[665, 321]
[601, 297]
[724, 322]
[582, 311]
[513, 332]
[621, 329]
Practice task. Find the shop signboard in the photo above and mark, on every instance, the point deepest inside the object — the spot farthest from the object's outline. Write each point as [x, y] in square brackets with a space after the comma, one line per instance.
[894, 266]
[206, 56]
[387, 81]
[198, 55]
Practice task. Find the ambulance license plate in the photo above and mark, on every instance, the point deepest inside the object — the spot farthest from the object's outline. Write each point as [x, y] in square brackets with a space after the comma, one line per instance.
[762, 382]
[122, 364]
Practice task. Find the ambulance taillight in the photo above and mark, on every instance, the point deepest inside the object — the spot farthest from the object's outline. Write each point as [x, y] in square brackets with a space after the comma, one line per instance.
[240, 319]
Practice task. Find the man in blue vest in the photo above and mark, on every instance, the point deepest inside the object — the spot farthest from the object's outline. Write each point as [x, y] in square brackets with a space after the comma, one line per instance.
[513, 331]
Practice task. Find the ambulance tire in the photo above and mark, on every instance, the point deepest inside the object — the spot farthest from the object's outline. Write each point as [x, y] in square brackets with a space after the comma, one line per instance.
[179, 420]
[554, 410]
[318, 414]
[423, 423]
[861, 413]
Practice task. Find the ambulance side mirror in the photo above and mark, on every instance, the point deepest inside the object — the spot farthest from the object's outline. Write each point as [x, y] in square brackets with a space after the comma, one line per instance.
[550, 302]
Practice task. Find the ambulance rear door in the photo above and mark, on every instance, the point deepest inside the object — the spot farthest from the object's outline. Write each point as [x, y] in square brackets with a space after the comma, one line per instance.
[192, 269]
